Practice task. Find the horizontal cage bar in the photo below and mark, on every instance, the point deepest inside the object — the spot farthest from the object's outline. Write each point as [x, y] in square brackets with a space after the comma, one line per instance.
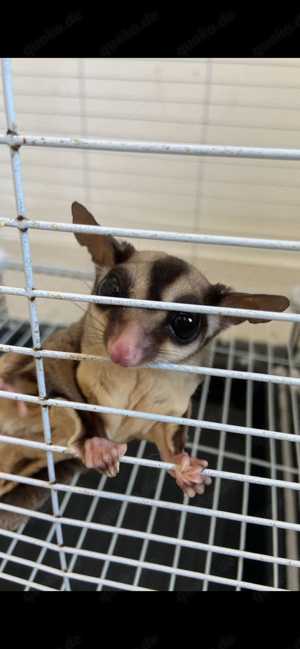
[152, 234]
[254, 376]
[150, 304]
[143, 564]
[152, 416]
[150, 502]
[157, 538]
[226, 475]
[170, 148]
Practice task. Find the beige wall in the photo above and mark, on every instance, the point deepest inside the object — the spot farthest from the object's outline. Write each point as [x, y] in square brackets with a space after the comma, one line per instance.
[219, 101]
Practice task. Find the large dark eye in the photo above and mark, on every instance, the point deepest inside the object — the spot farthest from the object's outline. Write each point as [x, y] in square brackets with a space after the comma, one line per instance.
[185, 326]
[110, 287]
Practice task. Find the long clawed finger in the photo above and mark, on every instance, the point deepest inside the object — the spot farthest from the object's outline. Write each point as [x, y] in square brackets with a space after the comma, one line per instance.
[189, 476]
[103, 455]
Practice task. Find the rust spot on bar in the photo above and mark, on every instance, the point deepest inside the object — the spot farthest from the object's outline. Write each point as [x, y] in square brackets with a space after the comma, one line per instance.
[24, 140]
[21, 218]
[15, 148]
[32, 299]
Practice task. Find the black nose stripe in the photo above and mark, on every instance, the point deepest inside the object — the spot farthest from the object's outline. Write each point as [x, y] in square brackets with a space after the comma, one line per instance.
[163, 273]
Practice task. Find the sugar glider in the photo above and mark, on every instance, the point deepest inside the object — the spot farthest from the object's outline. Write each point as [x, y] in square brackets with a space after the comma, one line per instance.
[131, 338]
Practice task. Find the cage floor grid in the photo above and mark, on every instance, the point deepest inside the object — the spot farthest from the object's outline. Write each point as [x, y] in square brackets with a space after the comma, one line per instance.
[217, 543]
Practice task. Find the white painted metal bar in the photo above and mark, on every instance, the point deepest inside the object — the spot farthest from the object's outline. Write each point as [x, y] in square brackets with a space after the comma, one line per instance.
[18, 580]
[211, 371]
[290, 499]
[133, 562]
[262, 358]
[277, 244]
[143, 415]
[73, 575]
[11, 547]
[170, 148]
[49, 536]
[294, 405]
[248, 459]
[241, 458]
[85, 529]
[157, 464]
[221, 449]
[20, 203]
[271, 421]
[8, 97]
[122, 512]
[227, 475]
[256, 520]
[159, 538]
[149, 528]
[195, 446]
[151, 304]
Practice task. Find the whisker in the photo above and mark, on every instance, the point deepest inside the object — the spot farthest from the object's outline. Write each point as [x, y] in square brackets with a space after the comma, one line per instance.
[84, 281]
[89, 314]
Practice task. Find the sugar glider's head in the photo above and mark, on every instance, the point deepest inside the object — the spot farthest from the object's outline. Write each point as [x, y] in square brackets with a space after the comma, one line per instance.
[136, 336]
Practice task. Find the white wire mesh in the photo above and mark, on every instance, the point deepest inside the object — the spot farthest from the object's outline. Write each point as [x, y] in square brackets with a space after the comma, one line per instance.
[193, 559]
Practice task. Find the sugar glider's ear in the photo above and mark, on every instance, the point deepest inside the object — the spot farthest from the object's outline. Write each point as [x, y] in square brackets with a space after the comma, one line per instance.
[225, 296]
[105, 250]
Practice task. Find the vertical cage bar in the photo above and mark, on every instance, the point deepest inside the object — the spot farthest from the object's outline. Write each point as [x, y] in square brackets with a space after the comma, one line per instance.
[247, 468]
[290, 499]
[121, 514]
[271, 417]
[226, 400]
[88, 519]
[19, 195]
[196, 441]
[50, 535]
[294, 405]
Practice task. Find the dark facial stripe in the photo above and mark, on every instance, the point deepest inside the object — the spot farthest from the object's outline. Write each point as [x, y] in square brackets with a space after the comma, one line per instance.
[215, 293]
[164, 272]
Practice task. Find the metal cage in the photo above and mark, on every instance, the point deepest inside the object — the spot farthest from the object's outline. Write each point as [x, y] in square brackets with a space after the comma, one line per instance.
[137, 533]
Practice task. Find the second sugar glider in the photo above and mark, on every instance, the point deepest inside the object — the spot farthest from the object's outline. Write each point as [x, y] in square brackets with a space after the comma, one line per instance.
[131, 338]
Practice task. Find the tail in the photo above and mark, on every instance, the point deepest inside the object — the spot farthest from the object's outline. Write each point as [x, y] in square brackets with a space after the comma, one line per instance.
[34, 498]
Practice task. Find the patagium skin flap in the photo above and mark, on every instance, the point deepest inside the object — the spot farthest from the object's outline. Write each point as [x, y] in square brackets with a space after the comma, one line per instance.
[130, 339]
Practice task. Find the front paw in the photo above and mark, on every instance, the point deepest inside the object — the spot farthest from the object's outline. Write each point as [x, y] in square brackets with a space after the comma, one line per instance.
[188, 474]
[103, 455]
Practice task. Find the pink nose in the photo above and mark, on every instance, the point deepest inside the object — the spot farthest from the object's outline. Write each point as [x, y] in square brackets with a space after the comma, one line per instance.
[126, 348]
